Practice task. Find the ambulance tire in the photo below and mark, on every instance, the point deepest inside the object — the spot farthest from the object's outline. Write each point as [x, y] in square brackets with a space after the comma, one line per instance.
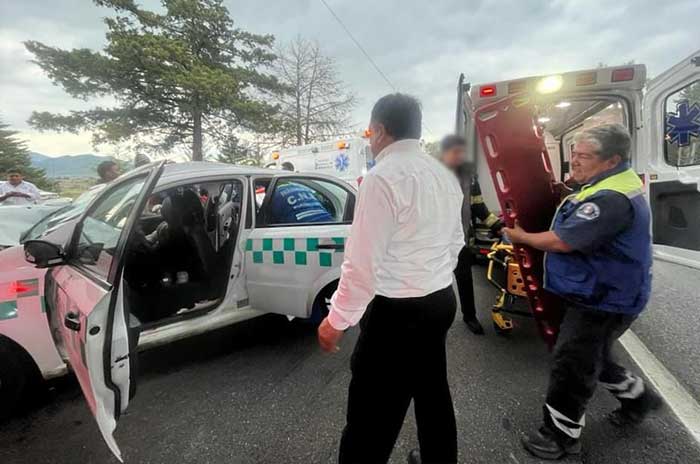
[320, 308]
[19, 378]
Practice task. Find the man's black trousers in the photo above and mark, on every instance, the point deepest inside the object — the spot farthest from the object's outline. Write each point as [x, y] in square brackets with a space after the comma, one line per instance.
[399, 357]
[465, 283]
[582, 359]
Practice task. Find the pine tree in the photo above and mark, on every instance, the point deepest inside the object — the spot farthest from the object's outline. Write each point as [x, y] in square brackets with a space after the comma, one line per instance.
[179, 76]
[14, 154]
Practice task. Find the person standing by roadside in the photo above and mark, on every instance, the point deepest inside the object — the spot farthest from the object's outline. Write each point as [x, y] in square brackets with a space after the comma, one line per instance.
[453, 154]
[396, 281]
[108, 171]
[17, 191]
[599, 261]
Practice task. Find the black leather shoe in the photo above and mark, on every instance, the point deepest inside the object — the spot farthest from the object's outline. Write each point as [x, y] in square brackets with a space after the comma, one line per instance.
[633, 412]
[549, 445]
[474, 326]
[414, 457]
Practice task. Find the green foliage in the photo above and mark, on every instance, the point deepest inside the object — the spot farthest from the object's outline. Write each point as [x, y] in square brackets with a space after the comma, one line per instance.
[73, 187]
[14, 154]
[177, 77]
[236, 151]
[432, 148]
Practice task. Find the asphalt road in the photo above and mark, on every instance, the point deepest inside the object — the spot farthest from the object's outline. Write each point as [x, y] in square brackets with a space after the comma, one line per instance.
[262, 392]
[671, 324]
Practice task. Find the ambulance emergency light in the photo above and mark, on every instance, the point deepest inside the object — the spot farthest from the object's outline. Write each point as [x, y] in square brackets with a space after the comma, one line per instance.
[550, 84]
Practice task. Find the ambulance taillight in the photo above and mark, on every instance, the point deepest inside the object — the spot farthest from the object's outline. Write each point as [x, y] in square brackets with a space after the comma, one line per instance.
[622, 75]
[487, 91]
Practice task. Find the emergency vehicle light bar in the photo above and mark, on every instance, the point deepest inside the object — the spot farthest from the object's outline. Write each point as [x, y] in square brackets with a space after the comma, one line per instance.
[517, 86]
[587, 78]
[487, 91]
[622, 74]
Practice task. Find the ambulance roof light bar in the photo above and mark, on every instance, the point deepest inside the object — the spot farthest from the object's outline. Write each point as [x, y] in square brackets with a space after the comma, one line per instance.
[622, 74]
[550, 84]
[487, 90]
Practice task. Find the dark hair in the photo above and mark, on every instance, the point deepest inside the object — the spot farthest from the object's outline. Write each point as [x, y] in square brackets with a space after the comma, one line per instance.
[400, 114]
[451, 141]
[103, 167]
[141, 160]
[14, 170]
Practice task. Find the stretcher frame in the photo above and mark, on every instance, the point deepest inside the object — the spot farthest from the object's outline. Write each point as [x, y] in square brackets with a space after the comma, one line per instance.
[514, 149]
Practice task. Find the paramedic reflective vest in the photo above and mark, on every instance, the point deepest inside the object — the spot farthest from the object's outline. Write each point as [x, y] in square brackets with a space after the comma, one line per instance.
[617, 276]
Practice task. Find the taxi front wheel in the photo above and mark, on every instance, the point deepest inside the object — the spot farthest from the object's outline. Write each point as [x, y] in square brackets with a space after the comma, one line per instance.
[16, 377]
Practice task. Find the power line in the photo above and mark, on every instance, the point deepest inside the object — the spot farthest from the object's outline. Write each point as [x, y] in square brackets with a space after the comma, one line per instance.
[364, 52]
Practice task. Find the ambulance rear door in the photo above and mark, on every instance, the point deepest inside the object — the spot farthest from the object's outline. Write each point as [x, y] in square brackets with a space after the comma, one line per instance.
[671, 146]
[564, 104]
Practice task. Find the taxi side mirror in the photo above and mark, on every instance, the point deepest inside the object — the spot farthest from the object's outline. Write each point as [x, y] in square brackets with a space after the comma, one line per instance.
[43, 254]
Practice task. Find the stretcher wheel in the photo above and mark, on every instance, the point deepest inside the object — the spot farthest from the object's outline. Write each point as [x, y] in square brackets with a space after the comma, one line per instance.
[501, 325]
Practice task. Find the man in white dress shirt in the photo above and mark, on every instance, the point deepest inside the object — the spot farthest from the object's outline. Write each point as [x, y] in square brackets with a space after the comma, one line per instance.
[17, 191]
[396, 281]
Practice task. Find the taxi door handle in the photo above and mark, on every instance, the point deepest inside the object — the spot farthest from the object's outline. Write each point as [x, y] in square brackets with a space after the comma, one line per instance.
[330, 246]
[72, 321]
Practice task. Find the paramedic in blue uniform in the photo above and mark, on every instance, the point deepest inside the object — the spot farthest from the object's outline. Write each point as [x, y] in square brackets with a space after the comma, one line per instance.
[453, 154]
[598, 258]
[294, 203]
[396, 281]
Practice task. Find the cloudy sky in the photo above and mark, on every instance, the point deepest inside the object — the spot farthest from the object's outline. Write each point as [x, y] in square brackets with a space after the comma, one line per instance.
[422, 46]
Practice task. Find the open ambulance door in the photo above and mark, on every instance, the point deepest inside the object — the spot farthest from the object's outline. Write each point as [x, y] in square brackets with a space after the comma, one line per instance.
[671, 134]
[86, 301]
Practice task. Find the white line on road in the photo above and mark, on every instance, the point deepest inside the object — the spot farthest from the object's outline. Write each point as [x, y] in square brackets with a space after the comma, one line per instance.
[683, 405]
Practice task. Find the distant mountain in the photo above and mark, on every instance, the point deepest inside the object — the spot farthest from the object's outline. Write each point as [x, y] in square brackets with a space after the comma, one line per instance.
[84, 165]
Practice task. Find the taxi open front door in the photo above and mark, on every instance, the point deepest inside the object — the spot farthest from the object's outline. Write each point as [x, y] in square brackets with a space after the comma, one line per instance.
[520, 167]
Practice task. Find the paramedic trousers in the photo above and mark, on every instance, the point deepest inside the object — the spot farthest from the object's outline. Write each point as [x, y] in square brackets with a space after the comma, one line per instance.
[582, 359]
[399, 357]
[465, 283]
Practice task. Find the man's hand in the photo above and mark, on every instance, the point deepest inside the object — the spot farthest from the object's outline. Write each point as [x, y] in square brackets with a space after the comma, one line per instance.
[515, 234]
[328, 337]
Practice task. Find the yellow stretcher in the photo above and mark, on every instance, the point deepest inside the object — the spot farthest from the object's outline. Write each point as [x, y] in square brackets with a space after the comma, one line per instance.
[504, 273]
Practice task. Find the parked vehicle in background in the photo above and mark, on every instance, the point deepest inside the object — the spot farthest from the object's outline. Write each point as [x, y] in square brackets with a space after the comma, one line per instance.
[348, 159]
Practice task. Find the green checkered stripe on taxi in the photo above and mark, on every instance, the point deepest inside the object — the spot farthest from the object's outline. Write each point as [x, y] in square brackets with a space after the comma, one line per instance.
[20, 289]
[295, 251]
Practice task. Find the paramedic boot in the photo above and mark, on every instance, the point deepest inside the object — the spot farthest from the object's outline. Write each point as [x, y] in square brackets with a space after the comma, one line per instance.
[414, 457]
[474, 325]
[634, 411]
[549, 444]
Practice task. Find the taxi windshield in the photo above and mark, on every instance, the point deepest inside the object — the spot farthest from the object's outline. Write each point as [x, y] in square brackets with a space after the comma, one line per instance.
[68, 212]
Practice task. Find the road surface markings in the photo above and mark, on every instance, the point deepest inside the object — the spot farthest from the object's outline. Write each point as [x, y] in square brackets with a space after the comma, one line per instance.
[683, 405]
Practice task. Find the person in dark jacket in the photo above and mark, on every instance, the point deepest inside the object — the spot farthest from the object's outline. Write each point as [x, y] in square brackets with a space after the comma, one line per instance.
[453, 155]
[598, 259]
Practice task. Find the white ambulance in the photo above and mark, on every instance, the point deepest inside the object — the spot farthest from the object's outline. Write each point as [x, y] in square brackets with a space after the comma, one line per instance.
[348, 159]
[663, 117]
